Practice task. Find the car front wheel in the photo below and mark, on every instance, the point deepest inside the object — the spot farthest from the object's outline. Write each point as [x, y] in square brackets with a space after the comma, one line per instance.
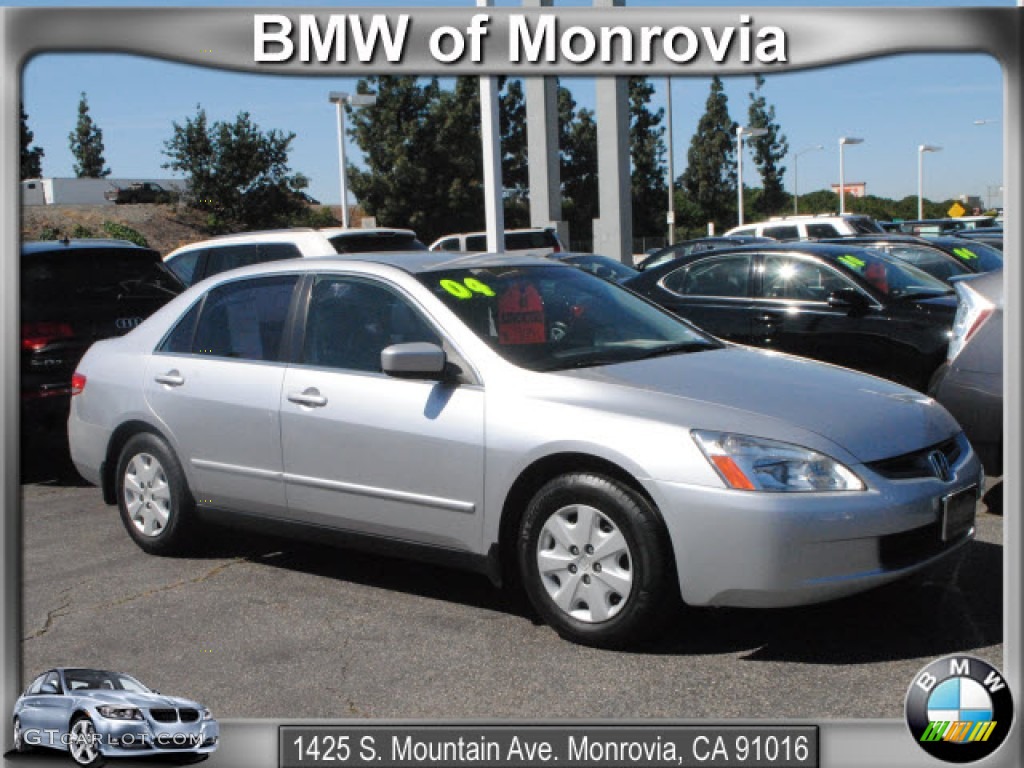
[595, 560]
[156, 506]
[83, 743]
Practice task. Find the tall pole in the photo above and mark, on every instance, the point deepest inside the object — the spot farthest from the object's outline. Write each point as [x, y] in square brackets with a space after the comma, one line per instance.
[920, 175]
[739, 173]
[842, 180]
[671, 172]
[494, 213]
[341, 163]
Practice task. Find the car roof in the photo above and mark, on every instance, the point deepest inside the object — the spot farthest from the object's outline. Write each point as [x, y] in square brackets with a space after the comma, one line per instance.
[49, 246]
[830, 251]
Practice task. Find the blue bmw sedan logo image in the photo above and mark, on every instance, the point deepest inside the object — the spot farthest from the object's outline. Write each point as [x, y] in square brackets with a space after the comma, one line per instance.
[959, 709]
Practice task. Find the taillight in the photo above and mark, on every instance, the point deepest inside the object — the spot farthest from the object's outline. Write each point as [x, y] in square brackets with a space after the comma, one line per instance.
[36, 335]
[77, 384]
[972, 311]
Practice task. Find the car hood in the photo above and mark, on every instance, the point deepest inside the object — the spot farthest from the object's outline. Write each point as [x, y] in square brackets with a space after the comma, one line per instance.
[776, 396]
[141, 700]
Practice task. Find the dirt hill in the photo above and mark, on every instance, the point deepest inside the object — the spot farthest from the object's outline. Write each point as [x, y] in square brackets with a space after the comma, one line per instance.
[164, 226]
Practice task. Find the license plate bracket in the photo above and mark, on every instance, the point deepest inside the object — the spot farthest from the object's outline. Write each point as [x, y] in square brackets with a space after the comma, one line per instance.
[958, 511]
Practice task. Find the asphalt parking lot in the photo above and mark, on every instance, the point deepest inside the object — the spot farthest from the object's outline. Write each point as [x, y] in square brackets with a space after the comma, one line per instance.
[254, 627]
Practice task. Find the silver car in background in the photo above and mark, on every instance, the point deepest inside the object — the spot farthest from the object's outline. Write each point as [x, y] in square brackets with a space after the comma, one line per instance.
[526, 419]
[970, 382]
[94, 714]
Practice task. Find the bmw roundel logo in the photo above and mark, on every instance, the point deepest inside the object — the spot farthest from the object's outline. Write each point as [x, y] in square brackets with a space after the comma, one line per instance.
[959, 709]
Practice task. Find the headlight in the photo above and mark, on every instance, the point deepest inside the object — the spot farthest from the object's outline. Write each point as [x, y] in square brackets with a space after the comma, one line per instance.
[207, 715]
[119, 713]
[755, 464]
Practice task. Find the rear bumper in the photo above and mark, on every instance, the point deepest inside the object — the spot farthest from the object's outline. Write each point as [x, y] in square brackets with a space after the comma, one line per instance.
[975, 399]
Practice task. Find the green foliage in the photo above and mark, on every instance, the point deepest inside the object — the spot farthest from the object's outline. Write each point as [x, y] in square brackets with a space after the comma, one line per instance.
[237, 174]
[49, 233]
[122, 232]
[710, 175]
[31, 157]
[769, 150]
[81, 232]
[647, 158]
[424, 157]
[578, 168]
[317, 217]
[87, 145]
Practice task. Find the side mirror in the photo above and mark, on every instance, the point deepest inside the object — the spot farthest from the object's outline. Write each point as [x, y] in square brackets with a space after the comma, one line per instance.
[413, 360]
[848, 298]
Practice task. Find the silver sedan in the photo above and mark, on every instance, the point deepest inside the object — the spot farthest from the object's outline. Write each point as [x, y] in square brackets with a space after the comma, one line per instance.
[525, 419]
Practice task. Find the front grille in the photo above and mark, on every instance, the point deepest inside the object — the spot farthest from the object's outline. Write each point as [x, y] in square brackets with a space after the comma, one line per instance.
[916, 464]
[164, 715]
[188, 715]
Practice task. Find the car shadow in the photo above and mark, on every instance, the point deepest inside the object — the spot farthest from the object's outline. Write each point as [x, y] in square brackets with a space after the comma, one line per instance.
[47, 461]
[953, 607]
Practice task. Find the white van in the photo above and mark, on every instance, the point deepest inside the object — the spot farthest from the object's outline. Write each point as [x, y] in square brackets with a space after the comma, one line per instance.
[809, 226]
[540, 241]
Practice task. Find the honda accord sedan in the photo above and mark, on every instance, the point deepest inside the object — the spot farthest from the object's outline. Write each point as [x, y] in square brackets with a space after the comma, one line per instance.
[841, 304]
[526, 419]
[93, 714]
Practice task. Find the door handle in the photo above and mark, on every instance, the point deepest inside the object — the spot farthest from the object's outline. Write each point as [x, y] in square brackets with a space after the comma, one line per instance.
[310, 397]
[172, 378]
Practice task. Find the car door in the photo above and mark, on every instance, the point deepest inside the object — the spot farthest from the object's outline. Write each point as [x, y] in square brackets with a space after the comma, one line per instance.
[794, 314]
[714, 293]
[215, 384]
[52, 707]
[392, 457]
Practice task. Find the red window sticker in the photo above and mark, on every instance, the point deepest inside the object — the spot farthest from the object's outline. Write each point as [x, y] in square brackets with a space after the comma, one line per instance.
[521, 316]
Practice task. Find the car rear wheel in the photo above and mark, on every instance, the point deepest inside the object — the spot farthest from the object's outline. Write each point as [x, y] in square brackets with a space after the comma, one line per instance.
[84, 743]
[595, 560]
[156, 506]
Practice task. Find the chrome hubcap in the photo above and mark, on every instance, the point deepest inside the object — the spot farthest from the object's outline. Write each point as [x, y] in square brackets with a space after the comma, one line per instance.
[585, 563]
[147, 495]
[83, 742]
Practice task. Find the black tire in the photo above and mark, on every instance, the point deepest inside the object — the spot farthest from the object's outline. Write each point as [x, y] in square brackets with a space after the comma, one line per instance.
[92, 758]
[18, 738]
[167, 526]
[615, 620]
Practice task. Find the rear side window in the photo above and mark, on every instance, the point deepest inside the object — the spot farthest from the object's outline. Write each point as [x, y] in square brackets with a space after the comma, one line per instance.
[782, 232]
[245, 319]
[864, 225]
[476, 243]
[726, 276]
[375, 242]
[449, 244]
[524, 241]
[179, 340]
[222, 258]
[820, 229]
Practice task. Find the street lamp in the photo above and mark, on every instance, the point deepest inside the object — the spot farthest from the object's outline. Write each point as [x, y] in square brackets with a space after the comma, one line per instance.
[339, 99]
[796, 168]
[741, 131]
[920, 175]
[671, 181]
[843, 141]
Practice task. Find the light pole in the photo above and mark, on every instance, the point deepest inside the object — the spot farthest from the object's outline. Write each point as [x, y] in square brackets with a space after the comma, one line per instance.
[671, 181]
[920, 175]
[796, 170]
[843, 141]
[339, 99]
[741, 131]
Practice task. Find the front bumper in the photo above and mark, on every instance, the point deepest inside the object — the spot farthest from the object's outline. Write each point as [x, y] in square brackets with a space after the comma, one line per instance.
[755, 549]
[125, 738]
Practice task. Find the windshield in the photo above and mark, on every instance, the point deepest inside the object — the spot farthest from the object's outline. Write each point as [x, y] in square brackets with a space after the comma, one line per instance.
[98, 679]
[935, 263]
[891, 277]
[978, 256]
[548, 318]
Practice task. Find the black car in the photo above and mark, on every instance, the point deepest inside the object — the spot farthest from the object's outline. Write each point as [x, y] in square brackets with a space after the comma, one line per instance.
[75, 292]
[610, 269]
[697, 245]
[992, 236]
[838, 303]
[975, 254]
[937, 260]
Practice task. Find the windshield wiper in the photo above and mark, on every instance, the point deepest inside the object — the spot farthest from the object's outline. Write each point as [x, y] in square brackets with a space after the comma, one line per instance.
[675, 349]
[923, 295]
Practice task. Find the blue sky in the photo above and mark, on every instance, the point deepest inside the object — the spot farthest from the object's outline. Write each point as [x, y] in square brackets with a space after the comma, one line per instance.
[895, 104]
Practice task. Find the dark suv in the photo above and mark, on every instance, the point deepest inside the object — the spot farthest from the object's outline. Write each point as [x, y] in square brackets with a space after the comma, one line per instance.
[75, 292]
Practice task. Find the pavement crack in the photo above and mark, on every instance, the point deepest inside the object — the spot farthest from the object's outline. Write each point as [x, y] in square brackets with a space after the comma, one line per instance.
[215, 571]
[51, 616]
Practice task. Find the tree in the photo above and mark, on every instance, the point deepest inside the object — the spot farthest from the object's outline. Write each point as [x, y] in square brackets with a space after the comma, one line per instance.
[647, 156]
[87, 145]
[578, 168]
[710, 175]
[768, 151]
[31, 157]
[514, 165]
[237, 174]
